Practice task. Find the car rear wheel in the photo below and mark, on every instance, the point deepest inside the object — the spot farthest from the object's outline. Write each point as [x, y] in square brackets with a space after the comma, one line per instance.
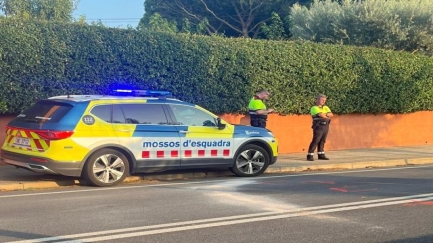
[251, 160]
[106, 167]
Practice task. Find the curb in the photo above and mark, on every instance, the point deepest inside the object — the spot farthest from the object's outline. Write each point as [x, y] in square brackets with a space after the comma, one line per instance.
[17, 186]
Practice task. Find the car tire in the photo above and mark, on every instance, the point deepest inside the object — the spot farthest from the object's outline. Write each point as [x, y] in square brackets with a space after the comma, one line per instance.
[106, 167]
[250, 160]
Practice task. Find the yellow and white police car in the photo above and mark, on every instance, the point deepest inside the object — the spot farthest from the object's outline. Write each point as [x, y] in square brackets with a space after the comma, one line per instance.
[105, 138]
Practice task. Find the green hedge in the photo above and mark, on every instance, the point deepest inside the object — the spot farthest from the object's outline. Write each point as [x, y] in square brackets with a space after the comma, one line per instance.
[38, 60]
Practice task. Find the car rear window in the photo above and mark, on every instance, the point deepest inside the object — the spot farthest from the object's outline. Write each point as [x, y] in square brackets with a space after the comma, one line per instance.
[45, 111]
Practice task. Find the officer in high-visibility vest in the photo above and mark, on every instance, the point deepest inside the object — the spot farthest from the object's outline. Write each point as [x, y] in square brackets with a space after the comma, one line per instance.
[321, 119]
[257, 109]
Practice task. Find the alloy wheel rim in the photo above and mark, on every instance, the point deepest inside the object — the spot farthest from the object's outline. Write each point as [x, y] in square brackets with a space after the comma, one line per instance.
[250, 161]
[108, 168]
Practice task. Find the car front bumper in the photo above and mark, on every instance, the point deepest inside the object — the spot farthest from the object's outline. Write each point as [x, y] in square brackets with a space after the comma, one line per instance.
[273, 160]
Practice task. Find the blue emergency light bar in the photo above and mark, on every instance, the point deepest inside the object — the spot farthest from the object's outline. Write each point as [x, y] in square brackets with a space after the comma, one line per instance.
[144, 93]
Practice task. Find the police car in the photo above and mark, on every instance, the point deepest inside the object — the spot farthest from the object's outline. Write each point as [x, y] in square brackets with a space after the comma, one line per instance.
[105, 138]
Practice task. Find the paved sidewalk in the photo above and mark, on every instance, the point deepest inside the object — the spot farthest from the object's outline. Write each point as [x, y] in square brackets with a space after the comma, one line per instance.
[20, 179]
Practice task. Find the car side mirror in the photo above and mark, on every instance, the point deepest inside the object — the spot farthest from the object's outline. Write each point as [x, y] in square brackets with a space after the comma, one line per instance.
[220, 125]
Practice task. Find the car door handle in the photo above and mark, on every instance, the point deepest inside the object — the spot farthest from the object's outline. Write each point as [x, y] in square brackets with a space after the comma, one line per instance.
[124, 130]
[184, 131]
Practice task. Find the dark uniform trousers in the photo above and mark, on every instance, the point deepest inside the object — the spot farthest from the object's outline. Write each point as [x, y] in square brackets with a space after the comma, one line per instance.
[258, 120]
[320, 132]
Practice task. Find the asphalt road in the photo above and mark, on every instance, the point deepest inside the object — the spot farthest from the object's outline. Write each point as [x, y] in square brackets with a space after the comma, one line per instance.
[373, 205]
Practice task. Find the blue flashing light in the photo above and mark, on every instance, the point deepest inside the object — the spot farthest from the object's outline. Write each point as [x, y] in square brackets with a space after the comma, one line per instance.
[122, 91]
[145, 93]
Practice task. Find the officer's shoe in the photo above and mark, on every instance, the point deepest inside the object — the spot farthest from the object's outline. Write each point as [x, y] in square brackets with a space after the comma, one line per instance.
[310, 158]
[322, 157]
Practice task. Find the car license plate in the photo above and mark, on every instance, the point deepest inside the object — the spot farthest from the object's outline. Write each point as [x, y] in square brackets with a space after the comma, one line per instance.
[22, 141]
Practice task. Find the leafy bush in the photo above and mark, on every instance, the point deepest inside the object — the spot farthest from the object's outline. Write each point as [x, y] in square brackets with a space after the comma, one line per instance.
[40, 60]
[397, 25]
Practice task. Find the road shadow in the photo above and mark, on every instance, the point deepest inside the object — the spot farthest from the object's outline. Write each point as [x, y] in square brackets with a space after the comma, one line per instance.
[18, 235]
[421, 239]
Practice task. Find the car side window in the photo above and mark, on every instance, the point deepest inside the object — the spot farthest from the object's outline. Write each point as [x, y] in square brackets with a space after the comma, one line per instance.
[118, 116]
[191, 116]
[103, 112]
[152, 114]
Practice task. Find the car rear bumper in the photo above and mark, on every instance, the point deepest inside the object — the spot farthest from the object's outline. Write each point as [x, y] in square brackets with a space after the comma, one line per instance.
[40, 164]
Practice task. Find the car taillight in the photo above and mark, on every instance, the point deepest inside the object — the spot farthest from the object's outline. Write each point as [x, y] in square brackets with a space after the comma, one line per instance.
[54, 135]
[44, 134]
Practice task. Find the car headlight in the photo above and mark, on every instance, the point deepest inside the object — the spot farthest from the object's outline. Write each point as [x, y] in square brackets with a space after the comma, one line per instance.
[270, 132]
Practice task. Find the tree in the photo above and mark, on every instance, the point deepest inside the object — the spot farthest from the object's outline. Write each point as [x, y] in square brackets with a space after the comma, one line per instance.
[48, 10]
[275, 30]
[397, 25]
[157, 23]
[229, 17]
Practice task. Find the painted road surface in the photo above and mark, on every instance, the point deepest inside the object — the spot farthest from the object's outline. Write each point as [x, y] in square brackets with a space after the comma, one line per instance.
[374, 205]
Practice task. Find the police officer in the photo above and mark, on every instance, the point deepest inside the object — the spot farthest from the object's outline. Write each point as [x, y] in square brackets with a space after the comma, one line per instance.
[321, 119]
[257, 109]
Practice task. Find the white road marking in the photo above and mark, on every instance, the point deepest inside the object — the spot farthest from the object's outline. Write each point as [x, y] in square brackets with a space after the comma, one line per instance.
[240, 221]
[211, 181]
[230, 220]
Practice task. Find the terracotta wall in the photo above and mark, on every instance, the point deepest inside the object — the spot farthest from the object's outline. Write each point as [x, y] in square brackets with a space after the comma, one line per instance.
[347, 131]
[350, 131]
[3, 122]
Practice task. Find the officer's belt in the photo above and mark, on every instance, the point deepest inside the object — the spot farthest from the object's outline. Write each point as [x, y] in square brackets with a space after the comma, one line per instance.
[321, 122]
[254, 115]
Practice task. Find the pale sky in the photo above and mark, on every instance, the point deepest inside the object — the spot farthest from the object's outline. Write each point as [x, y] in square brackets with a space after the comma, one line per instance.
[112, 13]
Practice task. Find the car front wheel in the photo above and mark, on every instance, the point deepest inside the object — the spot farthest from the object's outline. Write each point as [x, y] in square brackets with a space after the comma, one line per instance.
[106, 167]
[251, 160]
